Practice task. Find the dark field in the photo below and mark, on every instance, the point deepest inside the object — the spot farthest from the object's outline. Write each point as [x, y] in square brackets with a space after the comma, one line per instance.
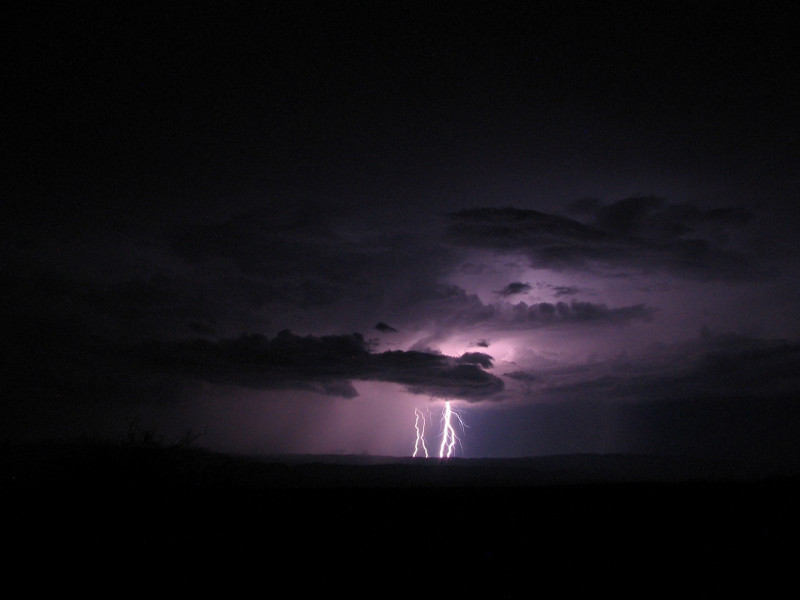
[108, 520]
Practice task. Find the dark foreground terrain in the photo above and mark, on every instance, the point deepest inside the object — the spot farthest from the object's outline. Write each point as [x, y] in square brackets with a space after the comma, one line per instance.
[109, 520]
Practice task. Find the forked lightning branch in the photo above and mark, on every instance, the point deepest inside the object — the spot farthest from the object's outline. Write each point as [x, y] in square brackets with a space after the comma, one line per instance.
[447, 446]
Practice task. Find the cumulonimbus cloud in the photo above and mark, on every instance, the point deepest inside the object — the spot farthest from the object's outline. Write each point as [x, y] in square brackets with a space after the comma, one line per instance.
[324, 364]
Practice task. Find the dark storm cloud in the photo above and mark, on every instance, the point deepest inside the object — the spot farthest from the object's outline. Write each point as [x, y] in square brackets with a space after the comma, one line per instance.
[639, 235]
[322, 364]
[297, 257]
[434, 375]
[714, 366]
[565, 290]
[653, 218]
[514, 288]
[476, 358]
[385, 328]
[452, 307]
[560, 313]
[522, 376]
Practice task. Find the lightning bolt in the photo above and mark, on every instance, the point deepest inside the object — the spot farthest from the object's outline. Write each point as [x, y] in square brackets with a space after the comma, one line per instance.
[419, 417]
[449, 437]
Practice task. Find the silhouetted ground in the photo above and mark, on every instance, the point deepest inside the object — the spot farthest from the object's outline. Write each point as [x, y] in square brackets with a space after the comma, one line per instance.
[110, 519]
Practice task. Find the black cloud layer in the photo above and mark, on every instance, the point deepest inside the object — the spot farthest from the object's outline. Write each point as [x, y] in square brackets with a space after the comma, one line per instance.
[559, 313]
[638, 234]
[513, 288]
[322, 364]
[721, 365]
[452, 307]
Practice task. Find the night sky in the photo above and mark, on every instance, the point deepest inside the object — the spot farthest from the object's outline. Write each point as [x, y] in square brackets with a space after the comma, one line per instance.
[287, 226]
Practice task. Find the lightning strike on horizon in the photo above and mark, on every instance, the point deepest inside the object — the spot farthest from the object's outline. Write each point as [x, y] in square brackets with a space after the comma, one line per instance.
[420, 432]
[449, 437]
